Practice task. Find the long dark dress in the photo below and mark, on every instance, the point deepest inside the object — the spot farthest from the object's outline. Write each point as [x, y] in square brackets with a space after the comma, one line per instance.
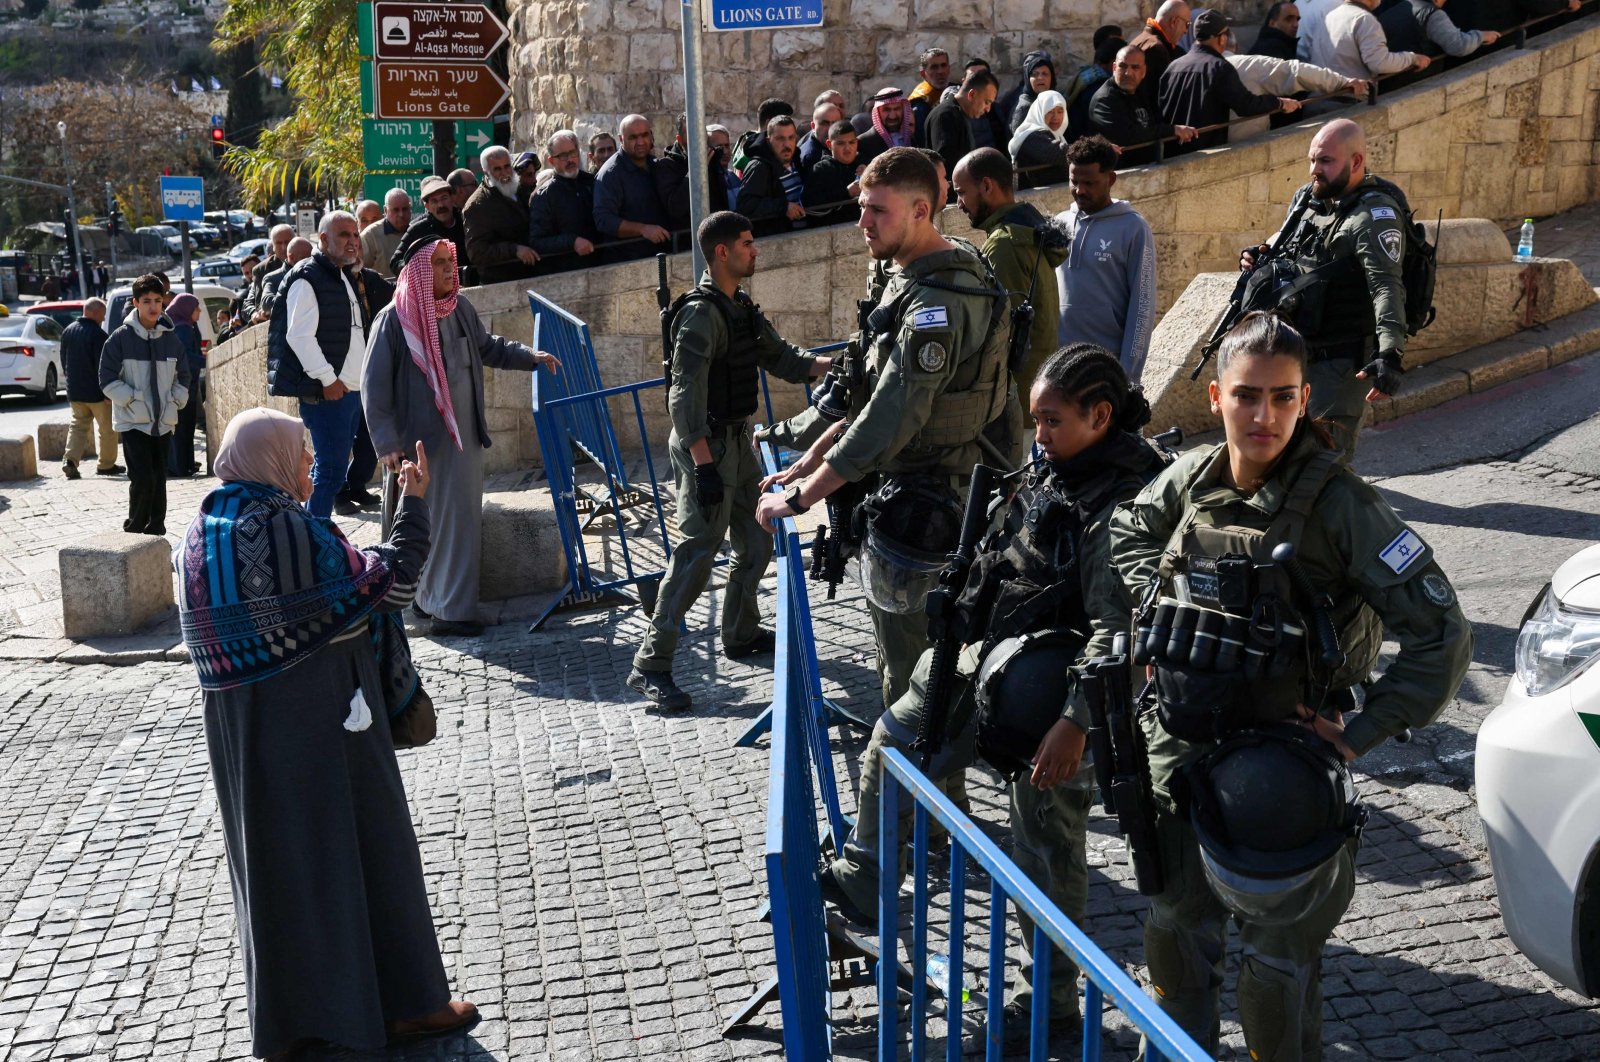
[333, 913]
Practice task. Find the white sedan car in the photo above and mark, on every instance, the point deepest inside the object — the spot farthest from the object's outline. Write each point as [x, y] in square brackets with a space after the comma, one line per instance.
[1538, 777]
[30, 356]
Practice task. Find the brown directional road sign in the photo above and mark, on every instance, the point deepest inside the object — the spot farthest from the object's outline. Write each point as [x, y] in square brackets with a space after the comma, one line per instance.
[462, 91]
[435, 33]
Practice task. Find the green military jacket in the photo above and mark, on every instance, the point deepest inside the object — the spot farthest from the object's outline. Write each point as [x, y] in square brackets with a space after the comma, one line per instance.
[1367, 227]
[699, 337]
[1354, 546]
[1021, 264]
[932, 348]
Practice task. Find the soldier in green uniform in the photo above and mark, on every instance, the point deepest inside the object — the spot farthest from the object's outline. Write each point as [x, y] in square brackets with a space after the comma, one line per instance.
[1204, 541]
[1349, 227]
[720, 342]
[937, 399]
[1045, 558]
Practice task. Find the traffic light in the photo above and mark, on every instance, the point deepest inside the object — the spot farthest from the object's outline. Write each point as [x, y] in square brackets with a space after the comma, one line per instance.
[114, 222]
[218, 142]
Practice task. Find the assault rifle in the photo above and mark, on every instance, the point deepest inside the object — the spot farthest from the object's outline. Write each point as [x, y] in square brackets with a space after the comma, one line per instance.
[1121, 761]
[944, 626]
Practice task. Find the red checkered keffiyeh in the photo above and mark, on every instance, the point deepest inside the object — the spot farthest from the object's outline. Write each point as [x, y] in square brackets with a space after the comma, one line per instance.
[420, 312]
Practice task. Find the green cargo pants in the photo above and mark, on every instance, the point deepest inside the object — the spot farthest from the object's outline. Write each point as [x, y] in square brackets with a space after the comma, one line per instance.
[1339, 398]
[703, 529]
[1048, 829]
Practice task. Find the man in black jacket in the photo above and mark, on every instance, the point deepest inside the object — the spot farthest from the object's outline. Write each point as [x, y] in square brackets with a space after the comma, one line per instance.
[561, 213]
[1200, 88]
[496, 223]
[80, 356]
[950, 123]
[770, 195]
[1280, 34]
[440, 222]
[1120, 114]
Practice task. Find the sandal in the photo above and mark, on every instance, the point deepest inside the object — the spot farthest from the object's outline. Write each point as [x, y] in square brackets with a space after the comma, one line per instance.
[456, 1014]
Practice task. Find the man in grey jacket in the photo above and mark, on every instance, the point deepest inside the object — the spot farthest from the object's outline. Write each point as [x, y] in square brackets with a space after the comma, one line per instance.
[1353, 43]
[1108, 282]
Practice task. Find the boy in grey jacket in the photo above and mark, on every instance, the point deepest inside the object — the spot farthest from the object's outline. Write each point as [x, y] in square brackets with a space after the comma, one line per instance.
[145, 376]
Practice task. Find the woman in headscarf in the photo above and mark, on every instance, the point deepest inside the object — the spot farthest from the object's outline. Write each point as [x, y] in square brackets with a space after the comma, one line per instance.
[1038, 75]
[302, 663]
[423, 382]
[1039, 146]
[183, 312]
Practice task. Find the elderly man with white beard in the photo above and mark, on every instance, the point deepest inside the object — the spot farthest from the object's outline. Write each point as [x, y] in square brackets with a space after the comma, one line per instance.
[561, 213]
[497, 222]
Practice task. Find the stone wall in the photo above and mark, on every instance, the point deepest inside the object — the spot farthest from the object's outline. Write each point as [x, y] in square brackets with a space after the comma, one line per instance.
[1509, 136]
[583, 64]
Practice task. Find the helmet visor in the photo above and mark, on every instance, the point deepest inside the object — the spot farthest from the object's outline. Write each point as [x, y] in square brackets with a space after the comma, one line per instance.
[1271, 901]
[896, 580]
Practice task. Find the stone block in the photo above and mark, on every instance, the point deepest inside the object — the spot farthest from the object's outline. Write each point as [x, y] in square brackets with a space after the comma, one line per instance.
[799, 50]
[880, 14]
[1462, 241]
[114, 584]
[1501, 362]
[53, 441]
[17, 459]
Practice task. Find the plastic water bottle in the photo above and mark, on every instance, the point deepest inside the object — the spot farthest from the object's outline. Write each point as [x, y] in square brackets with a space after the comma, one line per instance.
[1525, 242]
[939, 974]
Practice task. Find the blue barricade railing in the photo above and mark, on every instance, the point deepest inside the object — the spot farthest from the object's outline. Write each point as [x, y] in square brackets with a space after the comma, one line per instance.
[1103, 978]
[572, 418]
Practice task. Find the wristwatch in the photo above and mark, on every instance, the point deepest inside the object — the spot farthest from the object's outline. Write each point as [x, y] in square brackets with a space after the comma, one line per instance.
[791, 498]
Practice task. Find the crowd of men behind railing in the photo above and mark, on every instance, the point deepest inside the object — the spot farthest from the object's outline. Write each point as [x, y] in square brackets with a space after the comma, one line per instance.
[1175, 86]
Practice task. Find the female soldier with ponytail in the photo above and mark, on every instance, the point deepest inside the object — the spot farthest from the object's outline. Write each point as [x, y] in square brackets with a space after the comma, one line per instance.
[1026, 616]
[1267, 571]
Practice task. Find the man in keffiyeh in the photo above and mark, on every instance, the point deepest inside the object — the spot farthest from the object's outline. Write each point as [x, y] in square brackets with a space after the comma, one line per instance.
[892, 125]
[424, 382]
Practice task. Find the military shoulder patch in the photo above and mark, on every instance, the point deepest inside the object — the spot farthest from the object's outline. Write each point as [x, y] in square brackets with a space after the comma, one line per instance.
[1383, 212]
[1392, 243]
[1436, 588]
[931, 355]
[931, 317]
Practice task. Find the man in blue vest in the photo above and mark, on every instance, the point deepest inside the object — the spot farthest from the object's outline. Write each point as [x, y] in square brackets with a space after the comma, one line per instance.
[316, 348]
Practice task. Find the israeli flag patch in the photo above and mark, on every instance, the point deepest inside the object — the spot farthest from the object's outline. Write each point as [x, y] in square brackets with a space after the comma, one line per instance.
[1384, 212]
[1400, 553]
[930, 317]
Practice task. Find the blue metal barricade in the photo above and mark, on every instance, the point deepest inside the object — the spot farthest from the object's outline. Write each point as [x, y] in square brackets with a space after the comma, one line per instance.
[572, 418]
[1103, 978]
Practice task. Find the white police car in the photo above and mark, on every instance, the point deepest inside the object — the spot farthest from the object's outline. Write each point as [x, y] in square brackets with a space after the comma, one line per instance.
[1538, 778]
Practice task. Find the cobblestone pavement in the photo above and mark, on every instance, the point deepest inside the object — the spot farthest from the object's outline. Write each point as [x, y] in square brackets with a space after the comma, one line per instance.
[596, 867]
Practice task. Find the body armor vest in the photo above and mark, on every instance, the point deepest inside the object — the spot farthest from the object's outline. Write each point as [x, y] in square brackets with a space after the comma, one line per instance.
[1229, 637]
[1340, 309]
[733, 382]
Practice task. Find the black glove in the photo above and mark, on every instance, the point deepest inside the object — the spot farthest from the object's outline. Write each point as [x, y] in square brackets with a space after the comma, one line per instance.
[1383, 372]
[707, 485]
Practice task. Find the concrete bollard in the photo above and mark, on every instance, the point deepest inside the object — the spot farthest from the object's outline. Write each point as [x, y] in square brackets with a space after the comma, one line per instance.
[53, 441]
[17, 458]
[114, 584]
[521, 546]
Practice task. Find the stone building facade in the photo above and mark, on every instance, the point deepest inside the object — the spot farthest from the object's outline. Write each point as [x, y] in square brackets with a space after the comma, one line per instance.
[584, 63]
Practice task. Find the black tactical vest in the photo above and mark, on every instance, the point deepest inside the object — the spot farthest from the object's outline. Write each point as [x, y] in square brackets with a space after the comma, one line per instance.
[733, 384]
[1344, 305]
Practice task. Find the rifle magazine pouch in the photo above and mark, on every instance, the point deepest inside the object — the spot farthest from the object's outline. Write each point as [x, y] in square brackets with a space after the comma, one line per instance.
[1197, 705]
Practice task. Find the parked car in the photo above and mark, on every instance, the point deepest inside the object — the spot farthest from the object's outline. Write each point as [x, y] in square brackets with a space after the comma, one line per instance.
[213, 297]
[63, 312]
[1538, 780]
[222, 270]
[168, 235]
[30, 356]
[205, 235]
[260, 248]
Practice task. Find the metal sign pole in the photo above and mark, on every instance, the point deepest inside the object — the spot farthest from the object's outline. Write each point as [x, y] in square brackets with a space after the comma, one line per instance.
[111, 206]
[695, 130]
[188, 271]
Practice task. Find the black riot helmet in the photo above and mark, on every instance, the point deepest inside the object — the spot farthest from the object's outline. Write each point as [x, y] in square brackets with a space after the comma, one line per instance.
[1272, 809]
[1022, 686]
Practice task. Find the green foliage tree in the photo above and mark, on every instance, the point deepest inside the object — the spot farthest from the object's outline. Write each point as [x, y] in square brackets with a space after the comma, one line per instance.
[318, 145]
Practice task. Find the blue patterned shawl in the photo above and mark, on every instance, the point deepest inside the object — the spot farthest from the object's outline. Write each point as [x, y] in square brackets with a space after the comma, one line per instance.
[265, 585]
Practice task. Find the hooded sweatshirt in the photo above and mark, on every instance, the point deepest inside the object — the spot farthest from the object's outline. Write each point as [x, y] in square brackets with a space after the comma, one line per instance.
[1107, 286]
[1014, 249]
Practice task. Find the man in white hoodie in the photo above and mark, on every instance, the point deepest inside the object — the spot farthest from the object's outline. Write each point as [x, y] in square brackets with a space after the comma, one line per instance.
[1108, 282]
[1353, 44]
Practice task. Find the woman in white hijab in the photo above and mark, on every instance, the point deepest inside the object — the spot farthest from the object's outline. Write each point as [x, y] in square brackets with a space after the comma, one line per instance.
[1039, 146]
